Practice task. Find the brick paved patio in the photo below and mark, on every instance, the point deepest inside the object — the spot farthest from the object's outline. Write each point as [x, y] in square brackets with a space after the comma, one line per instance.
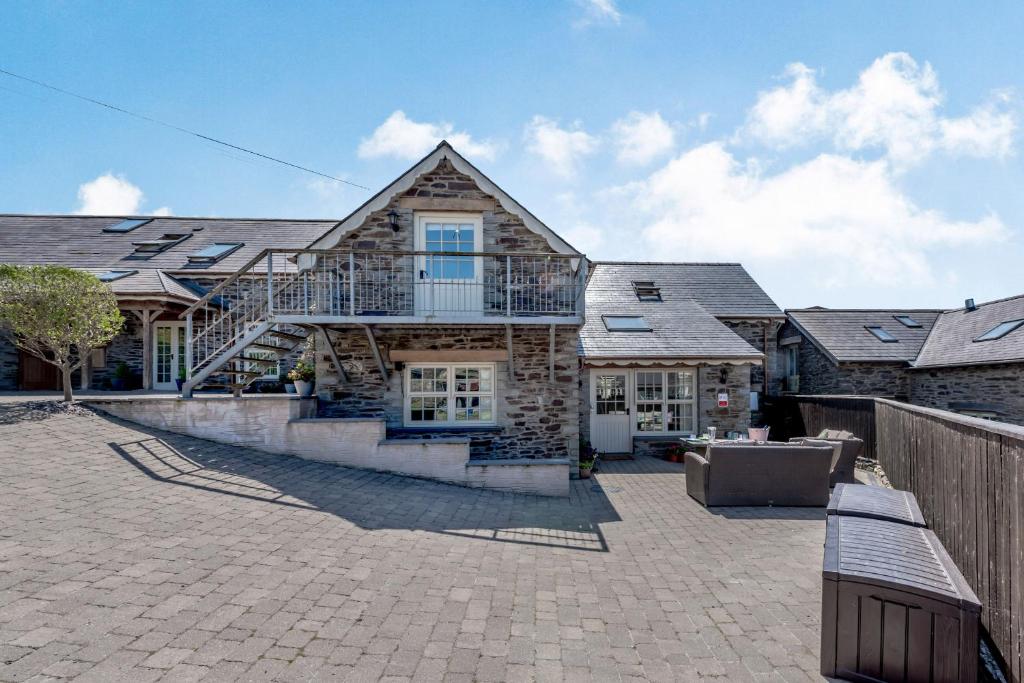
[129, 553]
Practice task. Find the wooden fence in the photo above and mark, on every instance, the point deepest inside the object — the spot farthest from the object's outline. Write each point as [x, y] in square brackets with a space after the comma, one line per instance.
[968, 476]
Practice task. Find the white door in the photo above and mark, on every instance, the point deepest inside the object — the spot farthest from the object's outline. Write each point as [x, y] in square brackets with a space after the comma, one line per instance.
[451, 284]
[609, 411]
[168, 354]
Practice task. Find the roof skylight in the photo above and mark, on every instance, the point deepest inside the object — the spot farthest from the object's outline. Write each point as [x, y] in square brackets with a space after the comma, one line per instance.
[881, 334]
[907, 321]
[1000, 330]
[646, 290]
[625, 323]
[127, 225]
[214, 252]
[112, 275]
[166, 241]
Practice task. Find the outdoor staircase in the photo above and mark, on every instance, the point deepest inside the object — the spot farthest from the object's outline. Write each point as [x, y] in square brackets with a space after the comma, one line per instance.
[232, 336]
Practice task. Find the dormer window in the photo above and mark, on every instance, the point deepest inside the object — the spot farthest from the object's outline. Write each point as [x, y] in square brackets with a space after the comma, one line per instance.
[646, 290]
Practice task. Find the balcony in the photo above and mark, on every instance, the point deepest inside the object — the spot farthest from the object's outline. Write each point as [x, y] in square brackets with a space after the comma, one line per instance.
[429, 287]
[325, 287]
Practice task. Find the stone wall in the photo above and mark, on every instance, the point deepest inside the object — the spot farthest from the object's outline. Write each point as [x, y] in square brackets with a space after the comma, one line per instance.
[536, 418]
[503, 231]
[755, 332]
[999, 386]
[737, 383]
[819, 375]
[8, 363]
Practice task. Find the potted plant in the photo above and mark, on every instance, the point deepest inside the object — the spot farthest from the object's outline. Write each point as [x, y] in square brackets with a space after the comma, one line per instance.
[304, 375]
[121, 376]
[181, 377]
[289, 387]
[585, 467]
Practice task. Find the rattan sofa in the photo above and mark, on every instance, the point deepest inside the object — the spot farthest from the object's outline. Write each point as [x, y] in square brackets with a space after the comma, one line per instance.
[780, 474]
[846, 448]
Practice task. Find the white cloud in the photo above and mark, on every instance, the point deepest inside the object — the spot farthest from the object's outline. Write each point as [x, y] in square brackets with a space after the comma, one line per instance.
[985, 132]
[561, 148]
[641, 138]
[402, 138]
[598, 12]
[110, 195]
[832, 220]
[893, 107]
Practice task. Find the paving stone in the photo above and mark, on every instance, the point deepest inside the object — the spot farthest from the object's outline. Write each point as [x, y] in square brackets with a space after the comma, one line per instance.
[132, 553]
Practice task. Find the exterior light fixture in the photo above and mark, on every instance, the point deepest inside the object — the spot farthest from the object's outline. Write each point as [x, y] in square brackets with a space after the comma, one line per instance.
[393, 217]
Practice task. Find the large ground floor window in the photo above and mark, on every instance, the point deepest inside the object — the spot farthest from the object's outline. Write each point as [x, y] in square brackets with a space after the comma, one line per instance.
[449, 395]
[665, 401]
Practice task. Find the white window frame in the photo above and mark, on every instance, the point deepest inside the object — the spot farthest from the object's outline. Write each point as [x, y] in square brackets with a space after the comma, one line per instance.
[451, 394]
[635, 402]
[474, 219]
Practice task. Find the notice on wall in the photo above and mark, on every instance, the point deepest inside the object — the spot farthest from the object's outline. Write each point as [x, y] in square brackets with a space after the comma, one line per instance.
[723, 399]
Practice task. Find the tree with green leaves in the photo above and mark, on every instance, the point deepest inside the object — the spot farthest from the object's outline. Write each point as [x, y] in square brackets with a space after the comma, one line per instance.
[58, 314]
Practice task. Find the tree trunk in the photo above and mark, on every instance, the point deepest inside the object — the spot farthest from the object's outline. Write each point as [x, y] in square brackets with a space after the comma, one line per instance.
[66, 370]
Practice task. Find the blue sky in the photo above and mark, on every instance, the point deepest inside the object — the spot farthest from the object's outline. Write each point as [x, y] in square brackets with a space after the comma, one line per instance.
[849, 154]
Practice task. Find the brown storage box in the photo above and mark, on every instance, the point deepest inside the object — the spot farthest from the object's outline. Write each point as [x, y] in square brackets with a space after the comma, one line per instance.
[876, 502]
[894, 606]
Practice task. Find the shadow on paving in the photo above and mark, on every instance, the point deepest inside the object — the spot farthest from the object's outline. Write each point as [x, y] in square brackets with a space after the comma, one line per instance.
[371, 500]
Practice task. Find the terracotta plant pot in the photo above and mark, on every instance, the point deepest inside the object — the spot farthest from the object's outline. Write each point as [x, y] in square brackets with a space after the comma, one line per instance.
[584, 473]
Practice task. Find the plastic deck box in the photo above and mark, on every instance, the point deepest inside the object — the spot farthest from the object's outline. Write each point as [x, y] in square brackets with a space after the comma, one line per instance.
[894, 606]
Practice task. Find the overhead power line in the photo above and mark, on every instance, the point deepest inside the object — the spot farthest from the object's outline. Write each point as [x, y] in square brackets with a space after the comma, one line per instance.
[158, 122]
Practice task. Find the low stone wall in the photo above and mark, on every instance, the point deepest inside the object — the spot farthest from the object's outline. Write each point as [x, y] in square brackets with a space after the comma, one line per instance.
[287, 425]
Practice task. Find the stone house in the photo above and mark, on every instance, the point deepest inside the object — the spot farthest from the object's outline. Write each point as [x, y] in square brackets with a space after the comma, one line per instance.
[973, 362]
[857, 352]
[669, 349]
[157, 267]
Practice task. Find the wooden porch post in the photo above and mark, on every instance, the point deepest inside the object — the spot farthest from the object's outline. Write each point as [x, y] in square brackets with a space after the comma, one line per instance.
[147, 316]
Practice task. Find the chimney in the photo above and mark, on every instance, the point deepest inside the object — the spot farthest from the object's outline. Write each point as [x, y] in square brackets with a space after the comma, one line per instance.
[969, 305]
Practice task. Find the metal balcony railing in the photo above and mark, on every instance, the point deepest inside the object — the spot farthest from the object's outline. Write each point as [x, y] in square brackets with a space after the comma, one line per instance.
[325, 286]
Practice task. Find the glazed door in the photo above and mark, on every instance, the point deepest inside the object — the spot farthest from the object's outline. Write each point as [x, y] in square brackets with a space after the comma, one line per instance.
[449, 284]
[168, 355]
[609, 411]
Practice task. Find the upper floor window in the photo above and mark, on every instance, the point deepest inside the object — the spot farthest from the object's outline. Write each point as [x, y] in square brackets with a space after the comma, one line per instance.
[907, 321]
[881, 334]
[625, 323]
[1000, 330]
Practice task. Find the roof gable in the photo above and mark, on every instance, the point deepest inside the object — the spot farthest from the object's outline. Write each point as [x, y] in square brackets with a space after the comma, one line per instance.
[443, 151]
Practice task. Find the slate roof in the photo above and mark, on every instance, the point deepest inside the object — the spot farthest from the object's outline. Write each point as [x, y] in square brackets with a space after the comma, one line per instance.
[79, 241]
[951, 342]
[841, 333]
[151, 283]
[685, 323]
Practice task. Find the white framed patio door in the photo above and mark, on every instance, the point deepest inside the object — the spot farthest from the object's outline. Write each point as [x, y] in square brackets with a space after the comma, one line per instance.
[609, 411]
[449, 284]
[168, 354]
